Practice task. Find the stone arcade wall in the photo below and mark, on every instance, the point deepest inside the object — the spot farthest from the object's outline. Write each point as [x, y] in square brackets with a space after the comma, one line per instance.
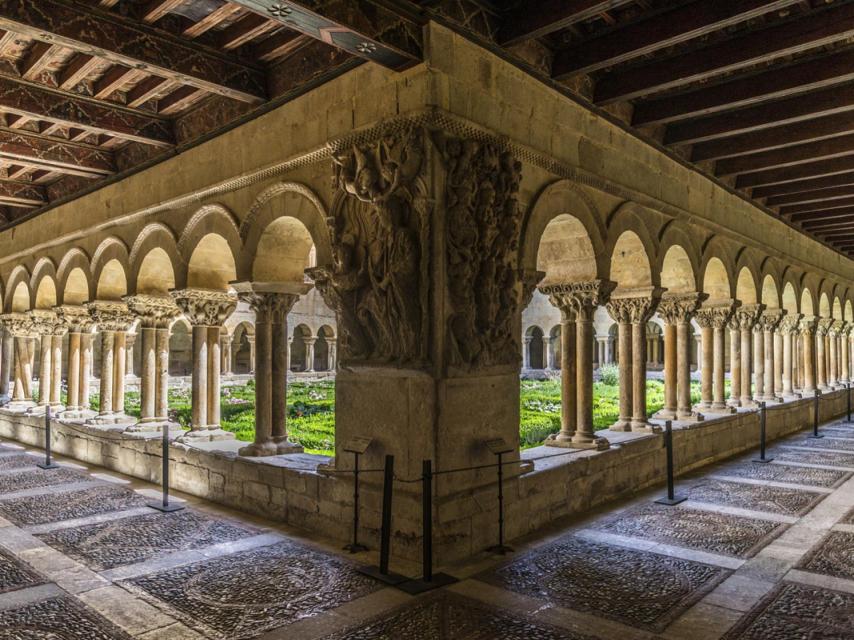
[465, 523]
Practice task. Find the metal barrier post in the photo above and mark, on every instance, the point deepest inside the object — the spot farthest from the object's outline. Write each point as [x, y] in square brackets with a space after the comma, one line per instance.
[164, 504]
[762, 422]
[500, 547]
[381, 572]
[815, 433]
[355, 547]
[48, 461]
[671, 498]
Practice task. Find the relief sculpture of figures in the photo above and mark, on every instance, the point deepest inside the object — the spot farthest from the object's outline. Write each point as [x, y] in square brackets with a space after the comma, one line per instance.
[379, 229]
[483, 219]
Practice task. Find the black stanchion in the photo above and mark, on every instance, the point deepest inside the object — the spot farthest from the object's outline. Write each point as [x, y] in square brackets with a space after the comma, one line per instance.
[381, 572]
[762, 422]
[500, 547]
[48, 461]
[671, 498]
[355, 547]
[164, 504]
[815, 433]
[428, 580]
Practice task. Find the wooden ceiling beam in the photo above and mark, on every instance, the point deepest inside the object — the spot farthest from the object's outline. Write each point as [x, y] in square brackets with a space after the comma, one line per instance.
[815, 169]
[156, 9]
[126, 42]
[780, 137]
[845, 178]
[44, 104]
[214, 18]
[379, 35]
[37, 60]
[755, 48]
[822, 205]
[114, 78]
[816, 195]
[279, 45]
[550, 16]
[659, 31]
[53, 155]
[827, 225]
[796, 109]
[178, 100]
[786, 157]
[145, 90]
[21, 194]
[244, 30]
[80, 66]
[824, 215]
[776, 83]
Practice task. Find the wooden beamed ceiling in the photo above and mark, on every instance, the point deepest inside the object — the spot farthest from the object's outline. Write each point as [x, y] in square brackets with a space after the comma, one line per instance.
[90, 88]
[758, 93]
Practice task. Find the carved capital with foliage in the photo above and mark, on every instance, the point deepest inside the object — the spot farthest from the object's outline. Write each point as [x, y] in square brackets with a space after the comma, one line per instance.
[679, 308]
[823, 326]
[20, 325]
[155, 312]
[807, 326]
[110, 316]
[770, 319]
[205, 307]
[746, 317]
[718, 316]
[46, 323]
[580, 299]
[789, 324]
[634, 306]
[75, 317]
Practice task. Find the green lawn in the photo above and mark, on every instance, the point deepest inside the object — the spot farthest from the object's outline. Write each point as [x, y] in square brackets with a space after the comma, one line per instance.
[311, 410]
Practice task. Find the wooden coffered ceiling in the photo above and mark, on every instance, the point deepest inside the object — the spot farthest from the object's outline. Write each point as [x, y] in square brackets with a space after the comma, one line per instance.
[757, 93]
[92, 88]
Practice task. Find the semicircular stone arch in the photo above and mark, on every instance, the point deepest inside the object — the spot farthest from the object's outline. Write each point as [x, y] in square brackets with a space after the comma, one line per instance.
[630, 264]
[208, 246]
[154, 249]
[74, 278]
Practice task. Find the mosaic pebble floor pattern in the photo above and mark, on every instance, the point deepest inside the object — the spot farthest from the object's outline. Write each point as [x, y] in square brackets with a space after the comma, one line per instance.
[757, 552]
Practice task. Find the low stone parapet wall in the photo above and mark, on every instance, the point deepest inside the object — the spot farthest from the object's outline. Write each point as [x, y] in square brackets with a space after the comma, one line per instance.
[295, 489]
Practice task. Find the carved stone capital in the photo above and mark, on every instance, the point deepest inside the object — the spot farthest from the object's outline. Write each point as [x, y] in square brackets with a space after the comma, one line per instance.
[273, 301]
[789, 324]
[205, 307]
[808, 326]
[155, 312]
[529, 281]
[718, 316]
[46, 323]
[823, 326]
[75, 317]
[635, 306]
[110, 316]
[746, 316]
[770, 319]
[580, 299]
[20, 325]
[676, 308]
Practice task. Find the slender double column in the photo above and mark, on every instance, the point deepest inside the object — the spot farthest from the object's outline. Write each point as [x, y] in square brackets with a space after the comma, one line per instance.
[577, 303]
[156, 314]
[845, 353]
[271, 304]
[808, 328]
[677, 310]
[637, 306]
[713, 320]
[20, 327]
[821, 355]
[113, 320]
[225, 341]
[768, 322]
[746, 318]
[79, 324]
[50, 330]
[206, 311]
[788, 333]
[833, 374]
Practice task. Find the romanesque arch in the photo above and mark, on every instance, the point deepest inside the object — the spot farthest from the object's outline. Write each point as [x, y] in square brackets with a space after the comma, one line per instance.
[74, 278]
[18, 290]
[208, 246]
[154, 261]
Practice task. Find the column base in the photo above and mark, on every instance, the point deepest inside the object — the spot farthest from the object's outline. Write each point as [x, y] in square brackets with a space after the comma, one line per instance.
[285, 446]
[110, 419]
[721, 407]
[596, 443]
[645, 427]
[73, 413]
[153, 426]
[20, 406]
[666, 414]
[559, 440]
[206, 435]
[41, 409]
[690, 416]
[259, 449]
[621, 425]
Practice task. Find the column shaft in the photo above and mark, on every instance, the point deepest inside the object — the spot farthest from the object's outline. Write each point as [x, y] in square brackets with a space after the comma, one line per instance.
[73, 374]
[746, 348]
[119, 372]
[148, 379]
[568, 378]
[213, 378]
[639, 420]
[735, 366]
[708, 368]
[683, 356]
[671, 368]
[45, 369]
[162, 388]
[626, 387]
[200, 375]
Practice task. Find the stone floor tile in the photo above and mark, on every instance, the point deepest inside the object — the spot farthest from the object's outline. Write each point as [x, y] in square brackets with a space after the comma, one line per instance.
[777, 472]
[138, 538]
[756, 497]
[833, 556]
[131, 613]
[242, 595]
[606, 580]
[703, 622]
[31, 479]
[15, 574]
[62, 617]
[738, 593]
[66, 505]
[798, 611]
[176, 631]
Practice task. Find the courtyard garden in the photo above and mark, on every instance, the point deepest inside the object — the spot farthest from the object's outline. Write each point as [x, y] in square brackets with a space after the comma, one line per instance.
[311, 409]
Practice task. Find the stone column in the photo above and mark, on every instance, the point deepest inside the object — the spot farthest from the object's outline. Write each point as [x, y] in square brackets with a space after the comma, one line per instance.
[619, 312]
[309, 353]
[822, 327]
[113, 320]
[251, 341]
[225, 350]
[130, 341]
[333, 354]
[747, 317]
[577, 303]
[7, 358]
[155, 314]
[707, 364]
[768, 323]
[20, 327]
[734, 361]
[845, 353]
[721, 314]
[833, 355]
[788, 332]
[808, 328]
[271, 304]
[551, 355]
[677, 310]
[86, 360]
[206, 311]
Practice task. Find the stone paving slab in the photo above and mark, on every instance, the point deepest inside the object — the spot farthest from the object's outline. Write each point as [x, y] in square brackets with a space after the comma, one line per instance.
[833, 556]
[806, 476]
[62, 618]
[828, 442]
[755, 497]
[68, 505]
[244, 594]
[136, 539]
[829, 458]
[449, 616]
[711, 531]
[793, 611]
[638, 588]
[36, 478]
[15, 574]
[18, 460]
